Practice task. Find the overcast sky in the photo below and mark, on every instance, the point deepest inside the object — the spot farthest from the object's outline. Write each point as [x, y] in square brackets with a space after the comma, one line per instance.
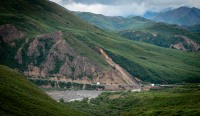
[124, 7]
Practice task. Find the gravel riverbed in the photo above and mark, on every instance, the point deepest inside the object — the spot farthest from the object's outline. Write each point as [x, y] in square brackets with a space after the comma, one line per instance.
[73, 95]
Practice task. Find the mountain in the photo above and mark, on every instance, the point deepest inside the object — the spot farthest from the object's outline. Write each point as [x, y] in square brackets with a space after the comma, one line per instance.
[169, 41]
[180, 16]
[55, 48]
[19, 97]
[194, 28]
[149, 15]
[134, 28]
[137, 23]
[45, 46]
[114, 23]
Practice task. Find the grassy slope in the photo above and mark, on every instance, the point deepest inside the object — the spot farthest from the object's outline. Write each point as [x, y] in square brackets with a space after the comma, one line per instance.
[134, 23]
[159, 40]
[156, 64]
[113, 23]
[20, 97]
[39, 17]
[194, 28]
[173, 101]
[147, 62]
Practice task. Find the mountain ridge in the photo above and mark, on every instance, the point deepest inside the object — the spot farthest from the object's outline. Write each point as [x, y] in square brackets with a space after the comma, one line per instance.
[124, 26]
[181, 16]
[50, 55]
[144, 61]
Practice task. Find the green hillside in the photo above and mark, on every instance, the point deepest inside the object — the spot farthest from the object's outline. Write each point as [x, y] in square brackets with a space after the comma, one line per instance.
[135, 24]
[161, 39]
[115, 23]
[19, 97]
[147, 62]
[38, 16]
[193, 28]
[183, 101]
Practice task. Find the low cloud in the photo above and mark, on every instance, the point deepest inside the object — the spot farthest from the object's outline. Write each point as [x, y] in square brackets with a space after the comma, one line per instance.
[108, 10]
[124, 7]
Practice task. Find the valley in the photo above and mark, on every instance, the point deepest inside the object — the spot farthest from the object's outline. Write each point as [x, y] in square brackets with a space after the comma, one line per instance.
[182, 100]
[54, 61]
[64, 46]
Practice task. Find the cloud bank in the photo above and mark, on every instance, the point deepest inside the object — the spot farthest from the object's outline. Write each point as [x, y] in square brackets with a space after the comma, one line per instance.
[124, 7]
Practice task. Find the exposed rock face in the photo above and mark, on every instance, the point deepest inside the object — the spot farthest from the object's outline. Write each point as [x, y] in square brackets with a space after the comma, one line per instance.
[9, 33]
[178, 46]
[129, 81]
[50, 57]
[179, 42]
[194, 46]
[187, 44]
[125, 76]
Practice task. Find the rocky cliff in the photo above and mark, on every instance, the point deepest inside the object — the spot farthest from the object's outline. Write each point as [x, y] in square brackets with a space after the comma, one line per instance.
[186, 44]
[49, 56]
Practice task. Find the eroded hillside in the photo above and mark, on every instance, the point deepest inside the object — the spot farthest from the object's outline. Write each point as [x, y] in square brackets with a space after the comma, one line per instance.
[50, 57]
[47, 40]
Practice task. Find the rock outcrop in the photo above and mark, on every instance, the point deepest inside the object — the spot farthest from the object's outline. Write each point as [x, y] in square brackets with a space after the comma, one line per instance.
[9, 33]
[186, 44]
[125, 76]
[50, 57]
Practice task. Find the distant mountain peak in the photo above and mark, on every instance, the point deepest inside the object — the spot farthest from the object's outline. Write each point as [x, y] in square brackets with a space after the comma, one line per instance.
[182, 16]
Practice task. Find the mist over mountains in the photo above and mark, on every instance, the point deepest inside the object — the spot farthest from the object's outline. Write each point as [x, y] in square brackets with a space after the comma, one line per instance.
[180, 16]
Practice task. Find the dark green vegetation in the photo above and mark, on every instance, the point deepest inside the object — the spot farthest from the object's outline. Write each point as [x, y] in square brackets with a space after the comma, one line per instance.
[36, 16]
[7, 52]
[193, 28]
[162, 40]
[170, 101]
[154, 66]
[138, 28]
[40, 17]
[66, 85]
[146, 61]
[136, 24]
[21, 98]
[114, 23]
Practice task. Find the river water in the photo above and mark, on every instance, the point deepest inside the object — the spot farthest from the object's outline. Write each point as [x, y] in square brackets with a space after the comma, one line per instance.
[73, 95]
